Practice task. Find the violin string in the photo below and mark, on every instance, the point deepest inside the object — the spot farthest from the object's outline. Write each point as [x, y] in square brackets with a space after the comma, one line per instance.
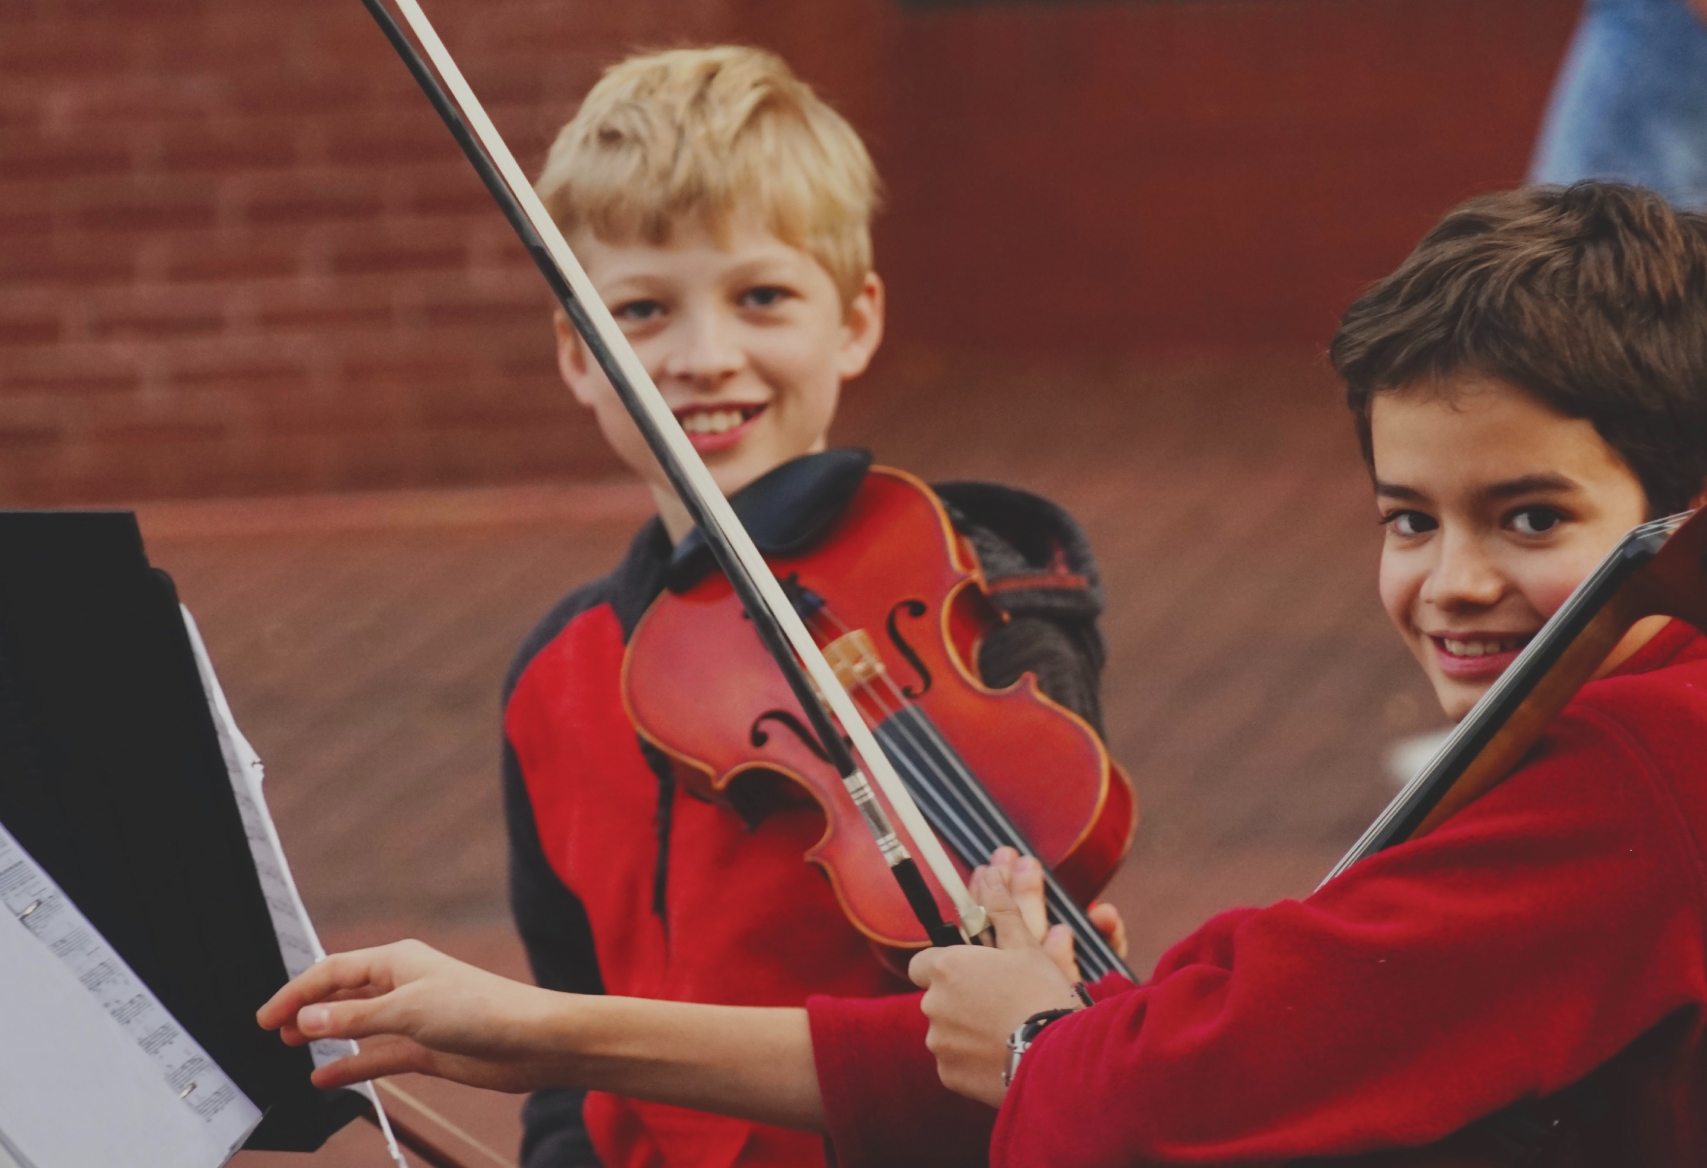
[974, 838]
[1095, 957]
[940, 760]
[923, 735]
[901, 704]
[901, 700]
[956, 786]
[1067, 911]
[963, 809]
[840, 629]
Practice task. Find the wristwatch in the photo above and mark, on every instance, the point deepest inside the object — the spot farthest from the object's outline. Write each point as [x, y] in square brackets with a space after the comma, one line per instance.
[1025, 1034]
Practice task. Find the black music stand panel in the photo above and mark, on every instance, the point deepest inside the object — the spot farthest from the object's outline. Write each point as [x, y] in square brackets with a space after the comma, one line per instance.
[112, 778]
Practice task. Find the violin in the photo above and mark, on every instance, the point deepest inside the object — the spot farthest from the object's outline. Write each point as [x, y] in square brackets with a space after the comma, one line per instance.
[894, 597]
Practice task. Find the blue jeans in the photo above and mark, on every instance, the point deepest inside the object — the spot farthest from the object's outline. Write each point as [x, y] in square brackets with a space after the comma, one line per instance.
[1631, 101]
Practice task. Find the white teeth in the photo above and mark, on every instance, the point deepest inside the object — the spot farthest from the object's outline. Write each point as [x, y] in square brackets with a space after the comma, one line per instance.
[712, 421]
[1480, 648]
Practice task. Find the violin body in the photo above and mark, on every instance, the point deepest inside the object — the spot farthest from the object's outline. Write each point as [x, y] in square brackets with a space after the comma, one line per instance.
[896, 599]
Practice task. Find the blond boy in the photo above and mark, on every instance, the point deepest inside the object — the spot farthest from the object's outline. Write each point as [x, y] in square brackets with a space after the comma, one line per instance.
[723, 213]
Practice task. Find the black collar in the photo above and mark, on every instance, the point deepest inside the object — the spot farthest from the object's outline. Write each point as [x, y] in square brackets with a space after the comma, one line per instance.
[784, 510]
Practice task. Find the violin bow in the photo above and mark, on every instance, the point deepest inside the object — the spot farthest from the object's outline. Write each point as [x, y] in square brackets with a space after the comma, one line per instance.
[412, 1134]
[780, 628]
[1658, 569]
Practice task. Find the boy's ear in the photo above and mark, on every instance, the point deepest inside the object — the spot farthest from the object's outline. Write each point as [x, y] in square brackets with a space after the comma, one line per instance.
[862, 328]
[574, 363]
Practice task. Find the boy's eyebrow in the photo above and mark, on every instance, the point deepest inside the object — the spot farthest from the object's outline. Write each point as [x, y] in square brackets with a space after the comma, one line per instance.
[1523, 485]
[1528, 484]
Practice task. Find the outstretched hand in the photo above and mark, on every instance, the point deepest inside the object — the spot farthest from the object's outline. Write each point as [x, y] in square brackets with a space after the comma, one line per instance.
[975, 997]
[417, 1010]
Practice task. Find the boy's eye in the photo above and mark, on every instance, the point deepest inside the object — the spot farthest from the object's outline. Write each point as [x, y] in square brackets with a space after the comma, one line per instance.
[764, 296]
[1409, 522]
[1534, 520]
[638, 310]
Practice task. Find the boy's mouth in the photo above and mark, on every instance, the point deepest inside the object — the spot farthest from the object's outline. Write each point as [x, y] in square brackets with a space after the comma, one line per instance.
[1478, 657]
[717, 427]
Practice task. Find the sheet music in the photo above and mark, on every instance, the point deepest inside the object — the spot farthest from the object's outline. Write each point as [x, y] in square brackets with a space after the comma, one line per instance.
[298, 942]
[80, 1027]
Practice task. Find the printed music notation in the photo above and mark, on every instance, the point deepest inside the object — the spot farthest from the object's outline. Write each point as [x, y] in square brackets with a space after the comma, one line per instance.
[96, 1070]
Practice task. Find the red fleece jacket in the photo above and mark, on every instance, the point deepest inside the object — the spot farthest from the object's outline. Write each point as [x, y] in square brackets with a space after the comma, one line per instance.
[1554, 927]
[624, 882]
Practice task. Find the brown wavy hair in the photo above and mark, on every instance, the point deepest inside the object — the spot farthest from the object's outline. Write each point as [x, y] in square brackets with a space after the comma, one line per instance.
[1592, 297]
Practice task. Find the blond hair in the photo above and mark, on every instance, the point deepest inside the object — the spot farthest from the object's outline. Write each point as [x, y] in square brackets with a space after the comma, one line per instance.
[706, 135]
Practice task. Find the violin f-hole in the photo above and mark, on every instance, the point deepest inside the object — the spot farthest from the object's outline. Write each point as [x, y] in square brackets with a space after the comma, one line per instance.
[913, 608]
[793, 725]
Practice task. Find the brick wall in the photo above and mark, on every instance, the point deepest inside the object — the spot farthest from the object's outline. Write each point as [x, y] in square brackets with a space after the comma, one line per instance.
[1183, 177]
[238, 251]
[239, 254]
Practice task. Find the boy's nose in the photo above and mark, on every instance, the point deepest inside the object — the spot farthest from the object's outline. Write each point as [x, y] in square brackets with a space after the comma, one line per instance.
[1464, 576]
[706, 351]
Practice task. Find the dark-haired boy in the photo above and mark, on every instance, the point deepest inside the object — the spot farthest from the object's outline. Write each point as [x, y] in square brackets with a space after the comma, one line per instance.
[1531, 383]
[1532, 976]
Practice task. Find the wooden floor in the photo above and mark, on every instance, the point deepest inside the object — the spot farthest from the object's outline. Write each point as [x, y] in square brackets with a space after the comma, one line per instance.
[1252, 687]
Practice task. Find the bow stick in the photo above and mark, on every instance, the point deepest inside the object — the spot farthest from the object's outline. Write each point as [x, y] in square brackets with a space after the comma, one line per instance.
[784, 635]
[1658, 569]
[431, 1148]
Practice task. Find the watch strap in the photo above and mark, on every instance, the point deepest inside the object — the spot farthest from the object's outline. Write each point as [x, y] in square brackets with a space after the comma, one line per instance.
[1025, 1034]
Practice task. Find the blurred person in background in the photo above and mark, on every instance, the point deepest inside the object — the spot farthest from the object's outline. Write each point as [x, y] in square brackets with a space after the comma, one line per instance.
[1631, 100]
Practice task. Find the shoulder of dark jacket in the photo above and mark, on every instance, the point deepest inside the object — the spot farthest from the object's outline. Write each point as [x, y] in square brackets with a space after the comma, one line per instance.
[785, 510]
[1035, 557]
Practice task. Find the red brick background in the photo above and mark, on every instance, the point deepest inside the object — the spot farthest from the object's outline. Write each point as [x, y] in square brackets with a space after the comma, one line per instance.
[241, 254]
[238, 253]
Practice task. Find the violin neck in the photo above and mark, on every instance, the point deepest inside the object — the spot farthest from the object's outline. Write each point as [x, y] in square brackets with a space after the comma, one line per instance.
[1508, 720]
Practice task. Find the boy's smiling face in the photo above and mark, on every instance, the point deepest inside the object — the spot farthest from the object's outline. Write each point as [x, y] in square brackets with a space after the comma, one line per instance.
[747, 338]
[1495, 509]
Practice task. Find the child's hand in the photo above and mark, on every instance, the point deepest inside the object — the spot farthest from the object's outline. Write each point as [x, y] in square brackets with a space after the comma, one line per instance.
[421, 1011]
[1024, 878]
[1109, 923]
[975, 997]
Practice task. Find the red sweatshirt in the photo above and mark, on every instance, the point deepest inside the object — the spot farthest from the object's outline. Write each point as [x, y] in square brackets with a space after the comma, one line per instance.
[1552, 928]
[624, 883]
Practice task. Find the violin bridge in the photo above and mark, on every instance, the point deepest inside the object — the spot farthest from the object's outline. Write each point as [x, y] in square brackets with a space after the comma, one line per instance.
[853, 658]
